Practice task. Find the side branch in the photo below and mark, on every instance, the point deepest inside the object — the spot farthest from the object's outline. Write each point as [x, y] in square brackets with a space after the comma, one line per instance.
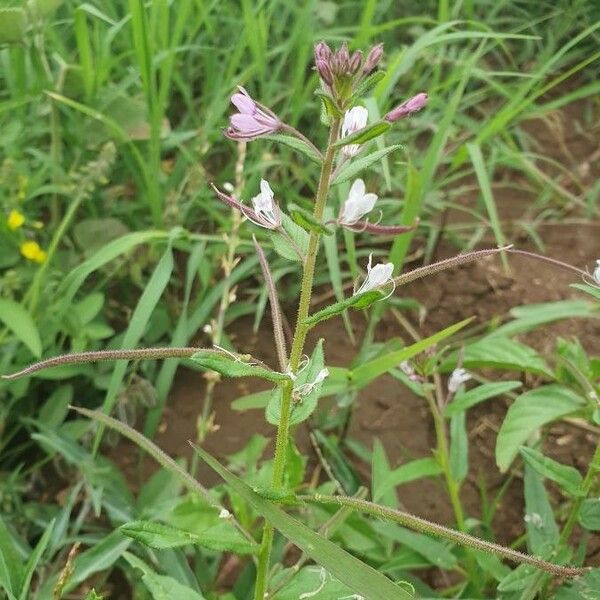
[424, 526]
[101, 355]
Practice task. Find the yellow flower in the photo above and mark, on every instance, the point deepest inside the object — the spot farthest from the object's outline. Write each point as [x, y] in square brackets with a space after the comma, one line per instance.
[15, 219]
[32, 251]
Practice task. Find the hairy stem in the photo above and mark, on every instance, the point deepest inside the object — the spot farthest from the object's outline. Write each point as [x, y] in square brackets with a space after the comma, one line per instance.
[424, 526]
[283, 429]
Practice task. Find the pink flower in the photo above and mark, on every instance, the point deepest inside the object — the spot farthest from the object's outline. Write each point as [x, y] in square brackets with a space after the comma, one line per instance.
[405, 109]
[253, 120]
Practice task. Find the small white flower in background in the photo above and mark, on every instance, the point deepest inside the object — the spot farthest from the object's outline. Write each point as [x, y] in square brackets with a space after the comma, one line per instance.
[357, 205]
[407, 368]
[228, 187]
[596, 273]
[224, 514]
[458, 377]
[376, 276]
[264, 207]
[535, 519]
[354, 120]
[307, 388]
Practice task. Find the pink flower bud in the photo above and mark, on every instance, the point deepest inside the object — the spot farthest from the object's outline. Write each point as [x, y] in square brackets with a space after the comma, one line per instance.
[405, 109]
[343, 58]
[322, 51]
[324, 71]
[373, 58]
[355, 62]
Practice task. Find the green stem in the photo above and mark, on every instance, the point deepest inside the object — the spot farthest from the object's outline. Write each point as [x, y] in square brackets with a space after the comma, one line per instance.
[283, 429]
[458, 537]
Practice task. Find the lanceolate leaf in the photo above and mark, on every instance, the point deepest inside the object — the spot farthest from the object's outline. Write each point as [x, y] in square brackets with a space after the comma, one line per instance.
[568, 478]
[357, 165]
[465, 400]
[368, 371]
[222, 537]
[528, 413]
[162, 587]
[357, 302]
[296, 144]
[358, 576]
[20, 322]
[365, 134]
[235, 366]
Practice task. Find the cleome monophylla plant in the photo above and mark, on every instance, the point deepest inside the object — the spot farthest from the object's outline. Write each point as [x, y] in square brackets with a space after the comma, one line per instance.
[301, 373]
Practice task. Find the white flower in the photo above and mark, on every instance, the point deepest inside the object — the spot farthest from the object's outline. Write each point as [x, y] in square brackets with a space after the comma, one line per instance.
[354, 119]
[535, 519]
[307, 388]
[267, 212]
[596, 273]
[224, 514]
[407, 368]
[458, 377]
[357, 205]
[376, 276]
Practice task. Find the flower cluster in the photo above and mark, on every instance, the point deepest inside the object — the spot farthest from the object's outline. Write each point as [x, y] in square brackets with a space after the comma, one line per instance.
[340, 70]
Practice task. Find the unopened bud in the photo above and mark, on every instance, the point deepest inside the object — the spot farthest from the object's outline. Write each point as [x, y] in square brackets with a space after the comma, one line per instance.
[373, 58]
[322, 52]
[355, 62]
[415, 104]
[324, 71]
[343, 58]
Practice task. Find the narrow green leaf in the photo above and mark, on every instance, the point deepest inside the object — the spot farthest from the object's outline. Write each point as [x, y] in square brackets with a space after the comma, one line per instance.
[358, 576]
[296, 144]
[162, 587]
[528, 413]
[357, 165]
[306, 220]
[565, 476]
[459, 446]
[235, 367]
[411, 471]
[365, 134]
[368, 371]
[501, 353]
[466, 399]
[11, 564]
[137, 326]
[99, 557]
[20, 322]
[358, 302]
[366, 85]
[34, 559]
[542, 531]
[222, 537]
[293, 246]
[380, 473]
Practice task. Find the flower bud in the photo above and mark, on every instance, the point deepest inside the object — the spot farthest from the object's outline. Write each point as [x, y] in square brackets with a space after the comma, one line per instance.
[343, 58]
[373, 58]
[324, 71]
[322, 51]
[355, 62]
[405, 109]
